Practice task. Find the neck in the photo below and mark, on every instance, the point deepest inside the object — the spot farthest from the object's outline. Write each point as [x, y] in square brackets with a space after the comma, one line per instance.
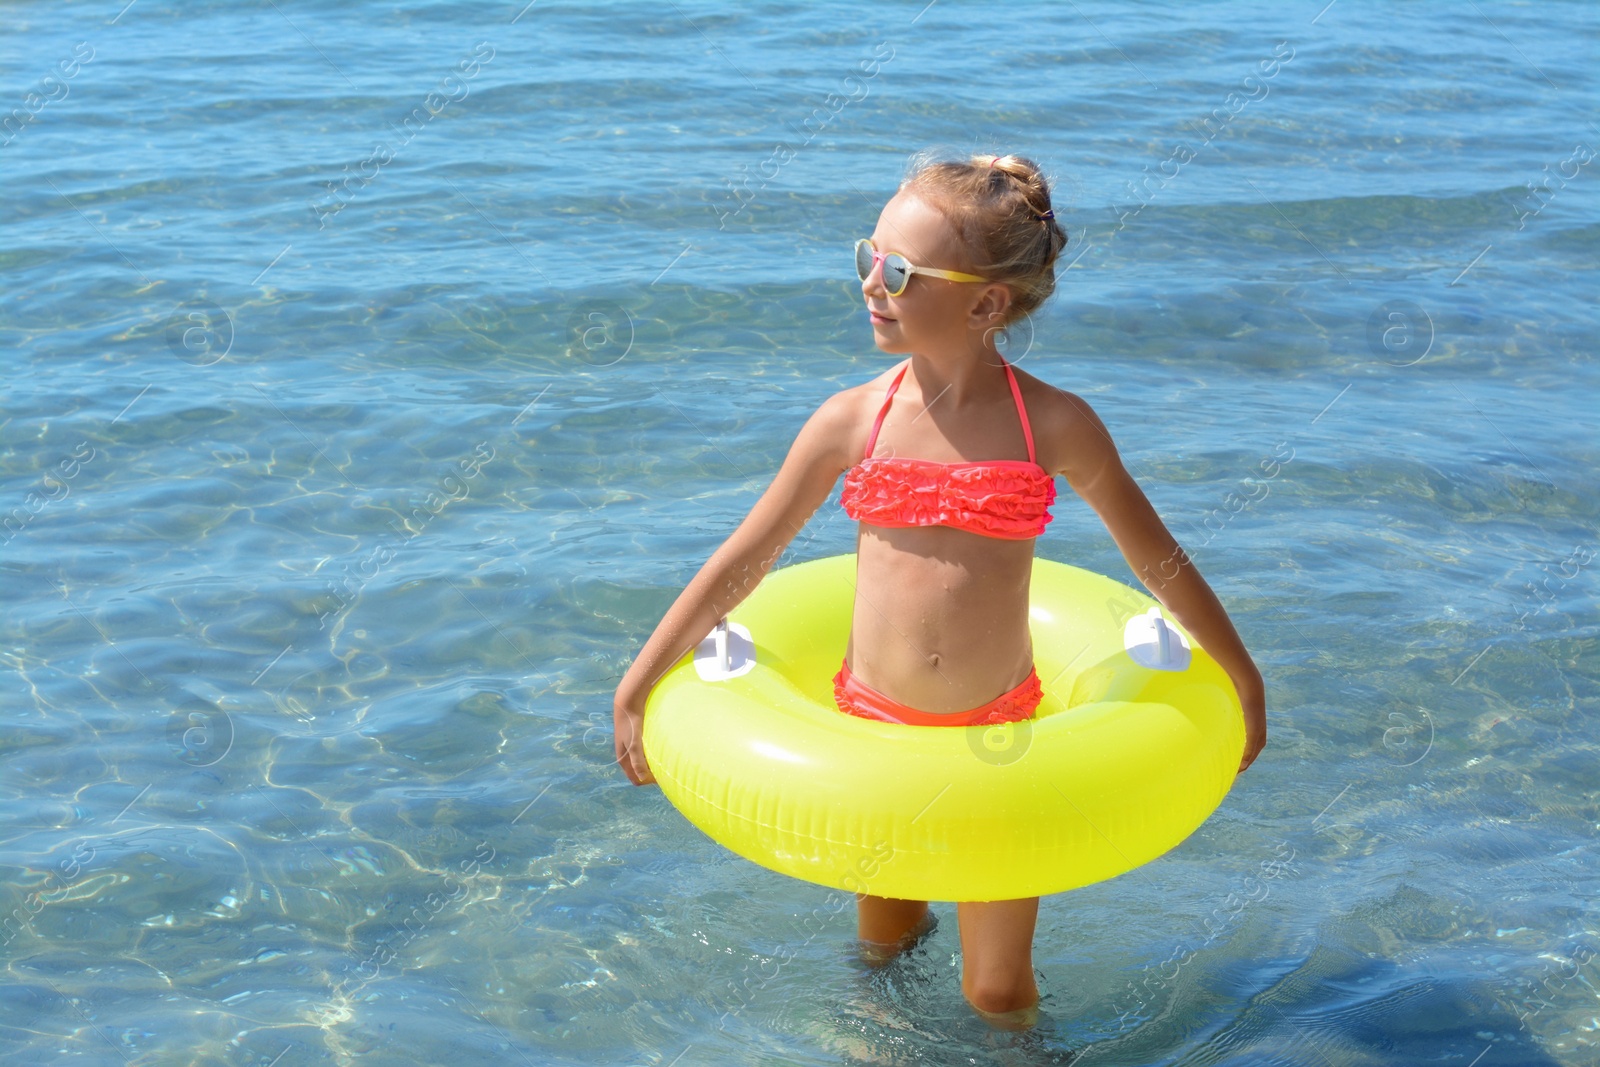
[961, 381]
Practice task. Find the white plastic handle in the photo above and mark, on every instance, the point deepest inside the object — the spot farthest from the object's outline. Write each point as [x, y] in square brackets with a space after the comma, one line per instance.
[1152, 642]
[726, 652]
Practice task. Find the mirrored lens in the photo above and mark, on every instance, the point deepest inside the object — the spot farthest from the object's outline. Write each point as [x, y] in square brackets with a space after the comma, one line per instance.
[863, 259]
[896, 271]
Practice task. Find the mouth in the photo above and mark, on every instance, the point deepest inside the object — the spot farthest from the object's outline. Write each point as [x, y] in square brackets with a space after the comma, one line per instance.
[877, 318]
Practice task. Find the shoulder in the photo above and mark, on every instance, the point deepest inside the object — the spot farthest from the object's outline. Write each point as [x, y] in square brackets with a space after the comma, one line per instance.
[846, 416]
[835, 436]
[1069, 437]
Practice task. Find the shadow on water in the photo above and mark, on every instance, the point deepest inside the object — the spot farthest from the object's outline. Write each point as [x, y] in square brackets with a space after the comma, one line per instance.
[1336, 1007]
[1343, 1007]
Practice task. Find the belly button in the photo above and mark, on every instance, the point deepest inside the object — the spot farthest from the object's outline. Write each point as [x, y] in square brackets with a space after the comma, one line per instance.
[934, 659]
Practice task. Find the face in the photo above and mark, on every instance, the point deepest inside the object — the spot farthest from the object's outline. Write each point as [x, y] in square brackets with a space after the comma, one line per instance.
[931, 313]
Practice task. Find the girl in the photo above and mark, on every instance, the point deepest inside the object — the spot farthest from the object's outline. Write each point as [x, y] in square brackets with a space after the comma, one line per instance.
[939, 634]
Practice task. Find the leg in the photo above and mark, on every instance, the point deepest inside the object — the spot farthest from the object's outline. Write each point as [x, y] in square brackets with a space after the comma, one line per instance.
[997, 960]
[888, 926]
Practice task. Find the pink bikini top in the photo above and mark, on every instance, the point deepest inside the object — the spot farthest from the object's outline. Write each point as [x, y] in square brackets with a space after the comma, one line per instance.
[1005, 498]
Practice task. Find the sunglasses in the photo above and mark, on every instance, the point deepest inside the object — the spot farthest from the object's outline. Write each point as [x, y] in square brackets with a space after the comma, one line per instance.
[897, 271]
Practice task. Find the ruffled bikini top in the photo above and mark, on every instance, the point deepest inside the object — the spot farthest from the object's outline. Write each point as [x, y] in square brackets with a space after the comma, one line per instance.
[1006, 498]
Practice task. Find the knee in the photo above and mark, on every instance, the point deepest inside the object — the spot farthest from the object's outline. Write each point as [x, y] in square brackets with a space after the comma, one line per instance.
[998, 996]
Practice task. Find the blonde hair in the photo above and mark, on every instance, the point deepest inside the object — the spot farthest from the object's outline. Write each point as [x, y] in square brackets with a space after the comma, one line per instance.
[1000, 206]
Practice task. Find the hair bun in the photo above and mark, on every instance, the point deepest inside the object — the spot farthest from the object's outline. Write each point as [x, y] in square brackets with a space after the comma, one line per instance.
[1000, 205]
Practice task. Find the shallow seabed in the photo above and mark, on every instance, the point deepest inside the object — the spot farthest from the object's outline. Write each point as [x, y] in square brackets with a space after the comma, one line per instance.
[381, 374]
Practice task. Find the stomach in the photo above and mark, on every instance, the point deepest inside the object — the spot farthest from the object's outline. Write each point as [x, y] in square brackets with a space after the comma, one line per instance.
[940, 622]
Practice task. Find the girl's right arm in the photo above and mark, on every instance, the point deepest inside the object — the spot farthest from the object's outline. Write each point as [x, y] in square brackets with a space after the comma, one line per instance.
[802, 485]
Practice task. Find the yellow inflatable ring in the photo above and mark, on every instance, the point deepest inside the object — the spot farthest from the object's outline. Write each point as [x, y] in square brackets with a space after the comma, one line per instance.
[1136, 742]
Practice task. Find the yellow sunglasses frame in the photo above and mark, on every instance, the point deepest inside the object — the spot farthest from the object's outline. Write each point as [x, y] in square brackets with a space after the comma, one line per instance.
[911, 268]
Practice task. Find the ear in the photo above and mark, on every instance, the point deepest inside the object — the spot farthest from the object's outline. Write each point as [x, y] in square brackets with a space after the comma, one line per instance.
[990, 306]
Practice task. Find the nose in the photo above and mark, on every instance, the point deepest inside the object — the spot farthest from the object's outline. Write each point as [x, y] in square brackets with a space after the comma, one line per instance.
[872, 284]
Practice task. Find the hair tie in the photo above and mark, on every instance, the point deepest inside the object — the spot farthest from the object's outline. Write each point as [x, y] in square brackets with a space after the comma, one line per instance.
[993, 161]
[1049, 214]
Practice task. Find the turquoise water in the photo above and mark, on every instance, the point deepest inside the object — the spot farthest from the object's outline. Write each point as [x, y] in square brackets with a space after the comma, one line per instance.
[378, 377]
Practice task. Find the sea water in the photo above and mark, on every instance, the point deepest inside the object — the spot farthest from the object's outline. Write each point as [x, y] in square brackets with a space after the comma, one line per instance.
[377, 376]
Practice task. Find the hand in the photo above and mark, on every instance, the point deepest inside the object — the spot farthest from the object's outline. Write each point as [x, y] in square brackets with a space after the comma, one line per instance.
[1254, 702]
[627, 720]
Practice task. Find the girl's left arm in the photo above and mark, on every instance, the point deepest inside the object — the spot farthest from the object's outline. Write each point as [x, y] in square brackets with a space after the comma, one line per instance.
[1094, 470]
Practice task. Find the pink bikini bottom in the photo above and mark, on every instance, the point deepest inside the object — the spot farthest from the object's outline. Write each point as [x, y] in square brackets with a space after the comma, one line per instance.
[855, 697]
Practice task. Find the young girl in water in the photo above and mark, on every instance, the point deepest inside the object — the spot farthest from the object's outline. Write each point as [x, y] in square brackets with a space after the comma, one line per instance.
[939, 634]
